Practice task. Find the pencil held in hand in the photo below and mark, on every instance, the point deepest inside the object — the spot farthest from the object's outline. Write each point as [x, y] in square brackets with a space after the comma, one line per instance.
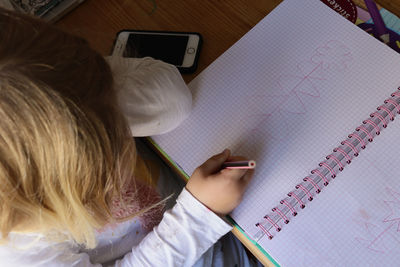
[219, 190]
[247, 164]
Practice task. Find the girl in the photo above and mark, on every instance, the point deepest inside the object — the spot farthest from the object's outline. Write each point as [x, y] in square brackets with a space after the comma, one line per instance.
[73, 190]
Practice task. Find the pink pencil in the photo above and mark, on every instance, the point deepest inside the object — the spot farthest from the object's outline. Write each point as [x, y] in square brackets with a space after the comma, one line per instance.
[247, 164]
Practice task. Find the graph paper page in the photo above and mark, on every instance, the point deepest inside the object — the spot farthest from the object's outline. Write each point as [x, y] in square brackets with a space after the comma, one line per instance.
[285, 95]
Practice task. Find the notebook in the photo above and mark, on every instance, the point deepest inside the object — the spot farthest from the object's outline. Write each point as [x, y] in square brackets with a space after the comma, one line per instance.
[314, 100]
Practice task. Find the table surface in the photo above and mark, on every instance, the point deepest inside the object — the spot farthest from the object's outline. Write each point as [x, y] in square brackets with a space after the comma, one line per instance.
[221, 24]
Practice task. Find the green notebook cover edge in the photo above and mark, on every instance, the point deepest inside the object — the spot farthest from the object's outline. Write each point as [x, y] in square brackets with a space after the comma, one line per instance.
[176, 165]
[252, 241]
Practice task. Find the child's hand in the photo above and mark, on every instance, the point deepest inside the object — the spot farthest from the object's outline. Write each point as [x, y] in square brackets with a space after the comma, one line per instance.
[219, 190]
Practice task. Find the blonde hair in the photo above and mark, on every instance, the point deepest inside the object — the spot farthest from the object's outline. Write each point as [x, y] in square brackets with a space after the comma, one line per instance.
[65, 148]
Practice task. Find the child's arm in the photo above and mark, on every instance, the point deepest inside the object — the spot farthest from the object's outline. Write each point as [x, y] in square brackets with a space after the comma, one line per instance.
[184, 234]
[190, 228]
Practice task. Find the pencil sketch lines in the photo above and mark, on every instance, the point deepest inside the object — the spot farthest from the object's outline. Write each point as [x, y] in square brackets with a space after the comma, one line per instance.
[334, 56]
[394, 207]
[378, 239]
[294, 91]
[383, 237]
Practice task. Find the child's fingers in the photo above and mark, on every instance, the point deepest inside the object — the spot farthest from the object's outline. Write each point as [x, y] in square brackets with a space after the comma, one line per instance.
[247, 177]
[236, 174]
[241, 175]
[236, 158]
[213, 164]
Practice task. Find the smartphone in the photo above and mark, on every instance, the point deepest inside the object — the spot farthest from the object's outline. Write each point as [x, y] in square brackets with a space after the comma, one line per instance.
[177, 48]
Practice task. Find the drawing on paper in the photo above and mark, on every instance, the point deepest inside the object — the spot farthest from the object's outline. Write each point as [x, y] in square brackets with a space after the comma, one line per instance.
[382, 237]
[294, 88]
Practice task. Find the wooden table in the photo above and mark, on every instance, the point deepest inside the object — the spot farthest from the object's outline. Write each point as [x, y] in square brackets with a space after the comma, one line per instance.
[221, 23]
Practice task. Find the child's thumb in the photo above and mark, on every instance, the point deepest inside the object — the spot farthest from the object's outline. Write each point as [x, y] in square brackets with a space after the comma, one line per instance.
[214, 164]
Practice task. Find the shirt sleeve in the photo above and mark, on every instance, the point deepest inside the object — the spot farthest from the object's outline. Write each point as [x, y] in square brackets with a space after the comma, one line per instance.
[186, 231]
[184, 234]
[152, 94]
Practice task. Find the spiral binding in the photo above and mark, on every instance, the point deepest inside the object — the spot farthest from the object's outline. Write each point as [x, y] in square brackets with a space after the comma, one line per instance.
[329, 168]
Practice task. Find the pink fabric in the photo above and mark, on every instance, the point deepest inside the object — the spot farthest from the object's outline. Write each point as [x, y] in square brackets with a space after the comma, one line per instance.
[136, 198]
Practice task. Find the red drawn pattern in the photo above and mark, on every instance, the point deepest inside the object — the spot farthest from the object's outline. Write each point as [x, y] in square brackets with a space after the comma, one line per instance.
[293, 89]
[383, 237]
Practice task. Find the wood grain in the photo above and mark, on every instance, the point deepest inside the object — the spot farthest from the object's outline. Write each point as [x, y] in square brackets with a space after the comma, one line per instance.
[221, 23]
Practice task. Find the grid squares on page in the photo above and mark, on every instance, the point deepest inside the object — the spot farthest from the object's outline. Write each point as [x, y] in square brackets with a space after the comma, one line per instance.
[236, 72]
[257, 189]
[203, 131]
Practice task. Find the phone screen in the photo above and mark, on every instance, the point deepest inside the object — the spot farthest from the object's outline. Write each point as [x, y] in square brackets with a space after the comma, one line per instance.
[168, 48]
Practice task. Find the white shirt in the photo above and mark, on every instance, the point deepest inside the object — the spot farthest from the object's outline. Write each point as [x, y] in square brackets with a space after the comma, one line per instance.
[184, 234]
[155, 100]
[152, 94]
